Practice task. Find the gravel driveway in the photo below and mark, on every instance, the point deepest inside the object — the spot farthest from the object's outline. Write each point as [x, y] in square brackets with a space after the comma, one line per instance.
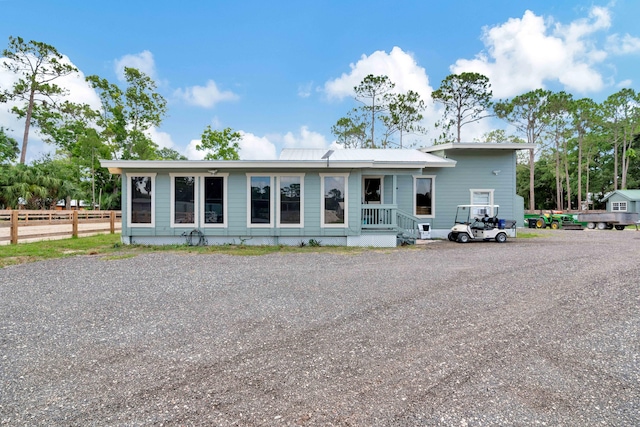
[540, 331]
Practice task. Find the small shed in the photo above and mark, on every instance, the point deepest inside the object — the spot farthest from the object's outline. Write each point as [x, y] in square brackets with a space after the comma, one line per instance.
[623, 201]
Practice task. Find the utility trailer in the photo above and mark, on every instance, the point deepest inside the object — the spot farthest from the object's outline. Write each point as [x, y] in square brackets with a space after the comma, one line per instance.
[608, 220]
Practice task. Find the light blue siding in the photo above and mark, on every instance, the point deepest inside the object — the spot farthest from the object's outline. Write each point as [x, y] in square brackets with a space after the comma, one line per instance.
[451, 187]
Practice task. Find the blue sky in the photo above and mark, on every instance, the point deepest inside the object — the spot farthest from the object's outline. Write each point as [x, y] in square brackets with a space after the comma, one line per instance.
[282, 72]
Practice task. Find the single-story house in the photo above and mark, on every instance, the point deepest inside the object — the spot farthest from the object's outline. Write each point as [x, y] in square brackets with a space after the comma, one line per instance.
[623, 201]
[348, 197]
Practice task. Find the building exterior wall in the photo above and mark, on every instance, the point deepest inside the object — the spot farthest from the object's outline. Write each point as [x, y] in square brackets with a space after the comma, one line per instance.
[491, 170]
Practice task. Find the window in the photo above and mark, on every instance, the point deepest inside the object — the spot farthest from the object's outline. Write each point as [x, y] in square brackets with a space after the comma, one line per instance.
[483, 198]
[334, 200]
[260, 210]
[214, 200]
[141, 200]
[618, 206]
[290, 212]
[423, 196]
[183, 200]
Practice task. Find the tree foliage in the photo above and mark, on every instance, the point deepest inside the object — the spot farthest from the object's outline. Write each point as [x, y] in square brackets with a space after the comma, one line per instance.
[36, 65]
[371, 92]
[220, 145]
[396, 113]
[127, 115]
[466, 98]
[8, 147]
[528, 114]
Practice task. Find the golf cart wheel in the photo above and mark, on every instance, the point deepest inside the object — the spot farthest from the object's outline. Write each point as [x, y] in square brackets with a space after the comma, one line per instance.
[540, 223]
[555, 225]
[463, 238]
[620, 227]
[501, 238]
[451, 238]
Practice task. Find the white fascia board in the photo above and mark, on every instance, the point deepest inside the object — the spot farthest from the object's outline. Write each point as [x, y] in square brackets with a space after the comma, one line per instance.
[117, 166]
[478, 146]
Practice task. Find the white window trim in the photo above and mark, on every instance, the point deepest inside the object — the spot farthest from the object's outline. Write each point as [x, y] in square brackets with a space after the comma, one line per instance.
[346, 200]
[381, 177]
[172, 210]
[483, 190]
[433, 196]
[277, 202]
[271, 200]
[153, 199]
[619, 205]
[225, 200]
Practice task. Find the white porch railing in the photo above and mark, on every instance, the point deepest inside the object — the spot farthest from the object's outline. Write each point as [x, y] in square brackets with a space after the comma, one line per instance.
[388, 217]
[376, 217]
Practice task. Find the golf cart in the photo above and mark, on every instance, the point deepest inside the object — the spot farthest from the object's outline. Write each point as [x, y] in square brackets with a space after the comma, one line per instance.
[479, 222]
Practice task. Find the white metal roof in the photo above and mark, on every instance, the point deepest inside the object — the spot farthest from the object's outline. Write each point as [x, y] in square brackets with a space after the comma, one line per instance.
[297, 159]
[478, 146]
[363, 154]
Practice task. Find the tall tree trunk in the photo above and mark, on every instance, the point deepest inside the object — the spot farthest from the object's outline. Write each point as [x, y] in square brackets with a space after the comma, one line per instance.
[558, 179]
[27, 124]
[580, 138]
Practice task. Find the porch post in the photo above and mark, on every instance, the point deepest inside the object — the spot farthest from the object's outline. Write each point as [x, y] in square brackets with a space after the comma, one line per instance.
[395, 189]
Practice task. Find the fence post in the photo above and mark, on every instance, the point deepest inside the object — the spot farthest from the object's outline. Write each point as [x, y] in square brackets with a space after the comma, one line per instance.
[112, 221]
[14, 227]
[74, 233]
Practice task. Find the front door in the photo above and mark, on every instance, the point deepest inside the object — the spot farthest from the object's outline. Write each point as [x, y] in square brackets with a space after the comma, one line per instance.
[372, 190]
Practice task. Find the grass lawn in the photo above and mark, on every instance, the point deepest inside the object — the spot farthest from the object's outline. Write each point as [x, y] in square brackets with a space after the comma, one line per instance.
[109, 245]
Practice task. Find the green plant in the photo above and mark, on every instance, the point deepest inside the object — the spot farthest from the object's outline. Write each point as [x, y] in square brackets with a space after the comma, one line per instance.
[314, 243]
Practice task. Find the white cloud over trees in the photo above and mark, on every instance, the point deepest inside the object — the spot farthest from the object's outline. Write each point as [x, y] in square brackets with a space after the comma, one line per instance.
[531, 52]
[205, 96]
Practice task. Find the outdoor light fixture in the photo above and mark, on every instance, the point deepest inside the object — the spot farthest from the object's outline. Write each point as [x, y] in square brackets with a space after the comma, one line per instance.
[495, 172]
[213, 171]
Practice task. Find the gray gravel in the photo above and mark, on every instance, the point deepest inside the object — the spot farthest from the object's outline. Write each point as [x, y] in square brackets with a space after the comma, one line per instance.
[538, 331]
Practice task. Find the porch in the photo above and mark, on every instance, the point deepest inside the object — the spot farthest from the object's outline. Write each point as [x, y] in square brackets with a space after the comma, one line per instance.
[388, 218]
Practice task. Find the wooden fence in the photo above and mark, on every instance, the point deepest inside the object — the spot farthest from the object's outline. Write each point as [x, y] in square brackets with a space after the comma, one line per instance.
[29, 225]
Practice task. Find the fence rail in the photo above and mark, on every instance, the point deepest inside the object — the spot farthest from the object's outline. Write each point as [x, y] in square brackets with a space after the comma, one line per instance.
[30, 225]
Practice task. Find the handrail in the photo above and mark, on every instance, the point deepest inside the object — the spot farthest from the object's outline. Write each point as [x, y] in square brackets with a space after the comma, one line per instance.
[407, 224]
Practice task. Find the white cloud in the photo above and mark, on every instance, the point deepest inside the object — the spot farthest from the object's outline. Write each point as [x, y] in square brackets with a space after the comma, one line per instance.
[163, 139]
[252, 147]
[304, 139]
[402, 69]
[205, 96]
[304, 90]
[191, 153]
[524, 54]
[142, 61]
[398, 65]
[626, 44]
[625, 83]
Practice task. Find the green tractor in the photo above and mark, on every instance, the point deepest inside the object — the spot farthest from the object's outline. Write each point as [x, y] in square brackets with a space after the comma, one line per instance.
[551, 219]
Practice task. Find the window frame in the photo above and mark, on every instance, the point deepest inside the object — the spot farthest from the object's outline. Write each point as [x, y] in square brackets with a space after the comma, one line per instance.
[491, 203]
[619, 205]
[278, 200]
[381, 178]
[225, 200]
[152, 176]
[345, 224]
[433, 195]
[196, 199]
[271, 222]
